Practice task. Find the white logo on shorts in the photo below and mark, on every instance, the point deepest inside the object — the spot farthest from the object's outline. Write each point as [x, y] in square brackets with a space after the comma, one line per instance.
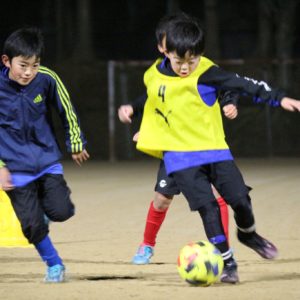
[162, 183]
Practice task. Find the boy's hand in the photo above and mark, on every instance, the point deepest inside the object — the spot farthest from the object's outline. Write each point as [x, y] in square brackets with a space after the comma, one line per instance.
[230, 111]
[5, 179]
[125, 112]
[80, 157]
[290, 104]
[136, 137]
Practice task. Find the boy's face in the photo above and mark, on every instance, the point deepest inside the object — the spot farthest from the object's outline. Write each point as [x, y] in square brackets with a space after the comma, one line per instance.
[183, 67]
[22, 69]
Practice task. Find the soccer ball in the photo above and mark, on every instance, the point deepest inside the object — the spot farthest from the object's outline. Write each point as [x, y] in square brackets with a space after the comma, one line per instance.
[200, 263]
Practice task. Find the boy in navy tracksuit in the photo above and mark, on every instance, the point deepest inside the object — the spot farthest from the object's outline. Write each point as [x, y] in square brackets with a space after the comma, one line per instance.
[30, 168]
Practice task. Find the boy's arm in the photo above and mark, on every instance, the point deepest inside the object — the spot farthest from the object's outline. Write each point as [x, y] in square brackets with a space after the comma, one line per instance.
[5, 178]
[228, 102]
[127, 111]
[228, 97]
[259, 90]
[290, 104]
[138, 105]
[80, 157]
[59, 97]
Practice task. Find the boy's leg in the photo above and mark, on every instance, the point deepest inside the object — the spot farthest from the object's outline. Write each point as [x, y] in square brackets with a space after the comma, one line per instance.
[154, 221]
[155, 217]
[224, 216]
[55, 198]
[27, 206]
[165, 189]
[236, 194]
[194, 184]
[48, 195]
[223, 211]
[247, 234]
[55, 267]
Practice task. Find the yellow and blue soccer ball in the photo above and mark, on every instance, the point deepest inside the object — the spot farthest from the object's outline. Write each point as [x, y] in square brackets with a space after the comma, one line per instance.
[200, 263]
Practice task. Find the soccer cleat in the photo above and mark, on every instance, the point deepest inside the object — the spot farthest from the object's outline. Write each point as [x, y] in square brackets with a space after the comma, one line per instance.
[230, 274]
[257, 243]
[55, 274]
[143, 255]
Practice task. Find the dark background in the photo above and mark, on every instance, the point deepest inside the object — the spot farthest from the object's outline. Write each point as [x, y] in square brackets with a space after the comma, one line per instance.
[257, 38]
[124, 29]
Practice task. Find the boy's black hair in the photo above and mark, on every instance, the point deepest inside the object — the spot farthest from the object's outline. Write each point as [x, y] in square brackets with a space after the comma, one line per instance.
[25, 42]
[165, 22]
[185, 37]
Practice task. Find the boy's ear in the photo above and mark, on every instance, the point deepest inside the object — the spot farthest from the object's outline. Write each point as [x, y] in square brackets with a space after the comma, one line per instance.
[5, 60]
[161, 49]
[166, 53]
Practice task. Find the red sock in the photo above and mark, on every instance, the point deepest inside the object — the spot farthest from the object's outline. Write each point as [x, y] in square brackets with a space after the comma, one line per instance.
[224, 216]
[154, 220]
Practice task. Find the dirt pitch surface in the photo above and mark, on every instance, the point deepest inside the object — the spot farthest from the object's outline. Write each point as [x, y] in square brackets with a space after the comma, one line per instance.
[111, 204]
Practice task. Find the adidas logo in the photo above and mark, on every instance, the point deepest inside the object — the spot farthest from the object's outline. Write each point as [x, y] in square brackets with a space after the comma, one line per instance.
[38, 99]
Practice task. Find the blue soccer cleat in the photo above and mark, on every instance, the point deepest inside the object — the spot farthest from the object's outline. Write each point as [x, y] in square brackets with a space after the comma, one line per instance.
[143, 255]
[55, 274]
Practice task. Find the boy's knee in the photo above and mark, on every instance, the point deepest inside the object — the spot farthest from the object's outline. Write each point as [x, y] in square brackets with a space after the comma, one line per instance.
[162, 202]
[63, 214]
[243, 213]
[242, 204]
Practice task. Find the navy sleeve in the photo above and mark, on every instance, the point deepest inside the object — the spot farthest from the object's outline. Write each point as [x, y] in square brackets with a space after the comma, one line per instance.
[138, 105]
[60, 99]
[259, 90]
[228, 97]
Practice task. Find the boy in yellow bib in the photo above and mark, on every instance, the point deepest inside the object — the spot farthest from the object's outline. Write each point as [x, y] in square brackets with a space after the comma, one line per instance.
[165, 187]
[182, 125]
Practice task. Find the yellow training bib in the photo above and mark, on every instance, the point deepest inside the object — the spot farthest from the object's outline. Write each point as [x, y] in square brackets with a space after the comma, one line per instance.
[175, 116]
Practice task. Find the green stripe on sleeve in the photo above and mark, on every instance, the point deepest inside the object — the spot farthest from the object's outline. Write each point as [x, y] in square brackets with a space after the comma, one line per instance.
[74, 130]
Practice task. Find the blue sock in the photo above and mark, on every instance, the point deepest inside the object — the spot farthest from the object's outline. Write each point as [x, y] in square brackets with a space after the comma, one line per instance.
[48, 253]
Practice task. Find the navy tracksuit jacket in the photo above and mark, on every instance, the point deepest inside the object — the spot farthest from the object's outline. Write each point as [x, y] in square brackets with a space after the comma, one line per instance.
[27, 140]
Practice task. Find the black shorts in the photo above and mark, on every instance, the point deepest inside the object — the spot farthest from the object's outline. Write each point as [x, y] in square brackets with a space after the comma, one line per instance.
[165, 184]
[195, 183]
[48, 195]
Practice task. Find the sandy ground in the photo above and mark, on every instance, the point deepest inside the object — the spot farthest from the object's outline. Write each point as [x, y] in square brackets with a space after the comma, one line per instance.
[99, 242]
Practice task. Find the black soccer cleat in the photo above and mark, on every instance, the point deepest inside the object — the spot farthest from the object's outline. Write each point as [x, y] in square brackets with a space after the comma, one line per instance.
[257, 243]
[230, 274]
